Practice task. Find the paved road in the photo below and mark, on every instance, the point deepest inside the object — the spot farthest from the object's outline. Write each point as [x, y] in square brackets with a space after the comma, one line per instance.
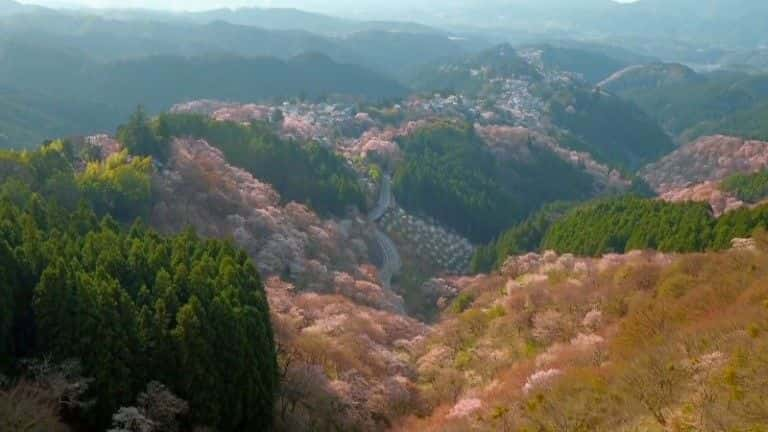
[385, 199]
[391, 263]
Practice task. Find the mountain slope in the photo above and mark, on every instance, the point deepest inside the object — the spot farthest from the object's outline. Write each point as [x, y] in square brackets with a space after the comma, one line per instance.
[27, 118]
[683, 105]
[532, 86]
[109, 38]
[651, 76]
[294, 19]
[554, 341]
[101, 94]
[159, 82]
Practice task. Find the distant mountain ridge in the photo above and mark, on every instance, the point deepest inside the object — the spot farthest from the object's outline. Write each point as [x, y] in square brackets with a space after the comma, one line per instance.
[649, 76]
[113, 89]
[537, 88]
[295, 19]
[125, 35]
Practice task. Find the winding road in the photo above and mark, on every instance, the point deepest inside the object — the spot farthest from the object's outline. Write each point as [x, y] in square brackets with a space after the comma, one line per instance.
[391, 263]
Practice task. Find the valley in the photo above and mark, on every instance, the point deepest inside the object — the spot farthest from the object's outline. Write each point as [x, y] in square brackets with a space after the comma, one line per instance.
[275, 219]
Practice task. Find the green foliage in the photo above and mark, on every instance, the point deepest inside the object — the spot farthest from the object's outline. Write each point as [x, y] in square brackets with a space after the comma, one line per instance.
[134, 307]
[524, 237]
[138, 137]
[500, 61]
[449, 175]
[593, 66]
[740, 223]
[119, 186]
[748, 123]
[748, 187]
[462, 302]
[614, 130]
[628, 223]
[732, 103]
[97, 91]
[302, 172]
[28, 118]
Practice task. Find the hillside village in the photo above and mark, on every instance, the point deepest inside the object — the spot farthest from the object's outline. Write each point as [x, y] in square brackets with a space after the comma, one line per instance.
[316, 223]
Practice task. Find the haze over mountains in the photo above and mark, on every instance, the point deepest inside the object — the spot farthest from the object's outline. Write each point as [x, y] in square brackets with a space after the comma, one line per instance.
[498, 215]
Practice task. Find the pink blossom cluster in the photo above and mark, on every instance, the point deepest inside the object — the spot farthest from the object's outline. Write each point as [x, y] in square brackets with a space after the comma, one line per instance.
[300, 127]
[513, 143]
[709, 158]
[202, 106]
[465, 407]
[372, 379]
[220, 200]
[381, 143]
[709, 192]
[541, 379]
[242, 113]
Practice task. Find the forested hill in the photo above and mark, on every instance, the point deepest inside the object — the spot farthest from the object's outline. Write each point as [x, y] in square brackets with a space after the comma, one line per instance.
[623, 224]
[116, 35]
[450, 175]
[543, 87]
[94, 96]
[141, 314]
[730, 103]
[162, 81]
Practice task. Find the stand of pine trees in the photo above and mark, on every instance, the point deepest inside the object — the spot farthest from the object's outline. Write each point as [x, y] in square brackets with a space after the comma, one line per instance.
[133, 306]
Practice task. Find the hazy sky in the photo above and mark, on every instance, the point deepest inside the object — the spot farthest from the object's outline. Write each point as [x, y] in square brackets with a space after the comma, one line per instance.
[212, 4]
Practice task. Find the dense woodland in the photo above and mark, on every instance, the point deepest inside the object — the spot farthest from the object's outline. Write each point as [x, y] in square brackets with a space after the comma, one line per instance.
[450, 176]
[598, 123]
[628, 223]
[304, 172]
[748, 123]
[750, 188]
[131, 306]
[89, 96]
[458, 77]
[625, 223]
[719, 102]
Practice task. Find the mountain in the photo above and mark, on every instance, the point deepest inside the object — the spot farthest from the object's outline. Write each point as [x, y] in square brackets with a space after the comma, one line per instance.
[159, 82]
[294, 19]
[649, 76]
[109, 37]
[719, 102]
[101, 94]
[269, 18]
[534, 87]
[401, 54]
[717, 22]
[27, 118]
[591, 65]
[710, 158]
[723, 23]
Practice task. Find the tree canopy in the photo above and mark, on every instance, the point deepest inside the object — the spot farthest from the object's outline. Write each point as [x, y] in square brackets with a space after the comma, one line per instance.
[304, 172]
[450, 175]
[132, 305]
